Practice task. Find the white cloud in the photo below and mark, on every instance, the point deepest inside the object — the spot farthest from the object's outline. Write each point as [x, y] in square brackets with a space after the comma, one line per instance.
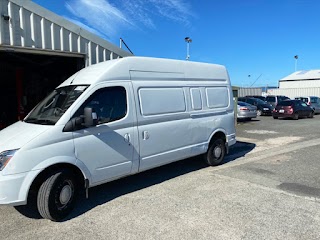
[90, 29]
[98, 14]
[110, 17]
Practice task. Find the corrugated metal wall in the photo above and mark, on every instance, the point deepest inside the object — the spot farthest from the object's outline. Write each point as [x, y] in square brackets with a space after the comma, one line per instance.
[300, 84]
[249, 91]
[33, 27]
[295, 92]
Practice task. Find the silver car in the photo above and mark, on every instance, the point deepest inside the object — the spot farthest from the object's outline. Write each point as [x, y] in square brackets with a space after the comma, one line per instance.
[246, 111]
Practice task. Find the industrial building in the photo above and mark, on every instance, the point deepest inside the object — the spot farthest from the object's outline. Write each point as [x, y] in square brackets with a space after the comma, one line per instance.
[299, 83]
[38, 50]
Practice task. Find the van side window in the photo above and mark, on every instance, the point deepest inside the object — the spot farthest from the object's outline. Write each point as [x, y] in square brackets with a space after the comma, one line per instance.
[196, 101]
[217, 97]
[156, 101]
[109, 103]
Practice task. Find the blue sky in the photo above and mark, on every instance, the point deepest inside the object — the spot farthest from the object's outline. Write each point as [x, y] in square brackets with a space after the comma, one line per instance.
[251, 38]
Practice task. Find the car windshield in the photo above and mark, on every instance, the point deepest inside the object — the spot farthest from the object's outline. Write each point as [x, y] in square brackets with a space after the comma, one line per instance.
[285, 103]
[314, 100]
[271, 99]
[259, 101]
[242, 103]
[49, 111]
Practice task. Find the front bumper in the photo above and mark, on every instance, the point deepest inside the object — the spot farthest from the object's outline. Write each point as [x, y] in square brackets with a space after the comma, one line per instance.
[14, 188]
[267, 112]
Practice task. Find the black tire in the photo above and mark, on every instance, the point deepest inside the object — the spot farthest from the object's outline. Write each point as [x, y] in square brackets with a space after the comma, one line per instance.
[57, 195]
[311, 115]
[259, 112]
[296, 116]
[275, 117]
[216, 152]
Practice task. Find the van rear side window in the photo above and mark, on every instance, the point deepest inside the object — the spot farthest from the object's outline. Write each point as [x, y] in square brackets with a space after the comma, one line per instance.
[217, 97]
[155, 101]
[196, 101]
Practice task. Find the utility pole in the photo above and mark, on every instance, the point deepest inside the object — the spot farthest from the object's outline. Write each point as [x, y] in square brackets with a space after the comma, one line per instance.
[188, 40]
[296, 62]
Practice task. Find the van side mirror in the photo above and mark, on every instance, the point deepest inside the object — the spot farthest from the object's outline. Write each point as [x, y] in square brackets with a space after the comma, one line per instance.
[90, 117]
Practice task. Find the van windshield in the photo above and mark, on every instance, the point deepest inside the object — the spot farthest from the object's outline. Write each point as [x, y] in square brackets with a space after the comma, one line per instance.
[49, 110]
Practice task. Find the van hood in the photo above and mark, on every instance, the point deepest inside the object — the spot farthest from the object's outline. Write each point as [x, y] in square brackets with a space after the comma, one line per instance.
[20, 133]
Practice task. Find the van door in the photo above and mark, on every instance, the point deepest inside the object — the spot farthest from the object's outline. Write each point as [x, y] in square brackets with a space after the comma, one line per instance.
[109, 149]
[165, 127]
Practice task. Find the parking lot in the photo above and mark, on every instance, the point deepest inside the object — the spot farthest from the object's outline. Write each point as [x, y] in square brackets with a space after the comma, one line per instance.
[268, 188]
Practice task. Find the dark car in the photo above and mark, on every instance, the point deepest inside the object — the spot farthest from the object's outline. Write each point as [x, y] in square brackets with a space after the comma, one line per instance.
[263, 108]
[292, 109]
[257, 96]
[275, 99]
[311, 101]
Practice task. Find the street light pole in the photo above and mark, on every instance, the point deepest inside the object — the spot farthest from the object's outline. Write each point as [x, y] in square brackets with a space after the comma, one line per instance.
[188, 40]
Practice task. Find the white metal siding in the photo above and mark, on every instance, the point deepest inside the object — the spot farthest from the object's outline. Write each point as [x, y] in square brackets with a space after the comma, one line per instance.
[242, 92]
[33, 27]
[300, 83]
[295, 92]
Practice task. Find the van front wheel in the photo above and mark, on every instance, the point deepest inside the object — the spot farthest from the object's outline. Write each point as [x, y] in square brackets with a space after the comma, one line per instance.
[216, 152]
[57, 195]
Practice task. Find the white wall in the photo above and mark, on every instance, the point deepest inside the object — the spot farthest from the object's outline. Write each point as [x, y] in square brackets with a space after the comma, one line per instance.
[300, 84]
[295, 92]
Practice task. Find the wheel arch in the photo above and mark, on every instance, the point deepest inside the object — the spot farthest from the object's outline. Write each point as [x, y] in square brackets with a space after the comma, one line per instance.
[219, 133]
[36, 182]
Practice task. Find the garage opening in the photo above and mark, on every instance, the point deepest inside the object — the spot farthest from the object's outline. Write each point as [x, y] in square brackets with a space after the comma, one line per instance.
[27, 78]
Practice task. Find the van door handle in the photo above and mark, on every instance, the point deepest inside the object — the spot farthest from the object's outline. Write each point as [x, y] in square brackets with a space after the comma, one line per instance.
[145, 135]
[127, 138]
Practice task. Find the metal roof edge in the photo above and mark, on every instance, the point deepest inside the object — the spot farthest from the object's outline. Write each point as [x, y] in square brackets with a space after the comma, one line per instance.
[55, 18]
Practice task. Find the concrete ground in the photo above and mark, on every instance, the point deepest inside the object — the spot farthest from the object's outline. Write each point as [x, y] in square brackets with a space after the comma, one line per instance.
[268, 188]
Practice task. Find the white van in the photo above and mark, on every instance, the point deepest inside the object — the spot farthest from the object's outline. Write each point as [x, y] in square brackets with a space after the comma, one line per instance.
[111, 120]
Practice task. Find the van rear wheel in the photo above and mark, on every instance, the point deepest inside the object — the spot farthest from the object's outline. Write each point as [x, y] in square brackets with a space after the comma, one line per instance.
[57, 195]
[216, 152]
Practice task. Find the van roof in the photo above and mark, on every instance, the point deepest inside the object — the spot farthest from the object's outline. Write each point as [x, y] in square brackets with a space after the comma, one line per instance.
[146, 68]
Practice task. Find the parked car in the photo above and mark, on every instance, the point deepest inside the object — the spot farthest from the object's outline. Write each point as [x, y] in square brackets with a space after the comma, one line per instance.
[246, 111]
[311, 101]
[263, 108]
[292, 109]
[275, 99]
[257, 96]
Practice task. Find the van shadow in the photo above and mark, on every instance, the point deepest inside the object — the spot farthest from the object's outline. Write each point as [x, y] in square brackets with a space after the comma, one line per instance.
[107, 192]
[246, 121]
[238, 150]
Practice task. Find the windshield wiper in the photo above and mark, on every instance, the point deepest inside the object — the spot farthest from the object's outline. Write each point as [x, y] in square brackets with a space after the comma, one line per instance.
[40, 121]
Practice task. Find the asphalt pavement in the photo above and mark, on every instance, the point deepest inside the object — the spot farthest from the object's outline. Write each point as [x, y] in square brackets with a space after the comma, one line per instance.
[268, 188]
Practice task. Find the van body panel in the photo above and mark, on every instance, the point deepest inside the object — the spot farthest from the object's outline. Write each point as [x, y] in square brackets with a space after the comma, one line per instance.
[14, 188]
[110, 150]
[10, 137]
[148, 112]
[51, 144]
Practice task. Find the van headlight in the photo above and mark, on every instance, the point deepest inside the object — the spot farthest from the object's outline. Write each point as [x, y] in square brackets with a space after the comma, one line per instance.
[5, 157]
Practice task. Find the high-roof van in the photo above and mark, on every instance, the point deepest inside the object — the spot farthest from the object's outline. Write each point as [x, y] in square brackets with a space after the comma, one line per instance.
[111, 120]
[275, 99]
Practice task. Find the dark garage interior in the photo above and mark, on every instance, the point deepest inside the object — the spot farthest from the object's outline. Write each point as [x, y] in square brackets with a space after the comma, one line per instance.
[27, 78]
